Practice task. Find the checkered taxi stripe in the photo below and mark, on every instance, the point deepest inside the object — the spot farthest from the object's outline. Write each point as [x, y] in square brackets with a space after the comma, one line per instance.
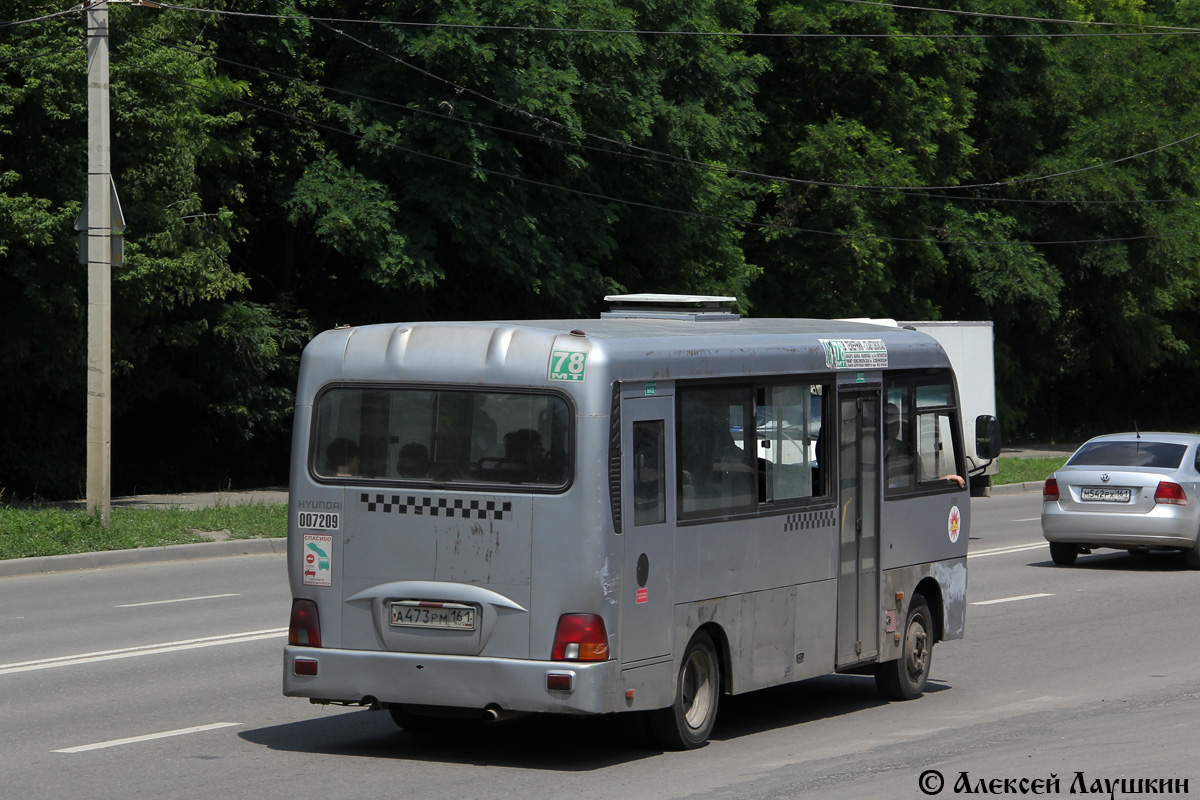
[810, 520]
[443, 506]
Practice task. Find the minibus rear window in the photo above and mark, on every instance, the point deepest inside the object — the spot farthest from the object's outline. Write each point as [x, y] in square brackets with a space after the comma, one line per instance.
[439, 436]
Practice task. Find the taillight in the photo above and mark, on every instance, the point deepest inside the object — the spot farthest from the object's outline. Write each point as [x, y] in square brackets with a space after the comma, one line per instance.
[1050, 490]
[305, 626]
[580, 637]
[1170, 493]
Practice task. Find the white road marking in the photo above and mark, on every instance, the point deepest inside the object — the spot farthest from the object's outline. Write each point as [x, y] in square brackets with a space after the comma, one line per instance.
[148, 737]
[142, 650]
[1000, 551]
[1029, 519]
[177, 600]
[1012, 599]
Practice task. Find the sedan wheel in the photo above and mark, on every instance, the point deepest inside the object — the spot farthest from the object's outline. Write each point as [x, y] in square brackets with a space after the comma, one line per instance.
[1063, 553]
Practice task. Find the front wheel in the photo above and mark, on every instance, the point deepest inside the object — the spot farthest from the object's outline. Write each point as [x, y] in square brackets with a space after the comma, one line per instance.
[905, 678]
[1063, 553]
[687, 723]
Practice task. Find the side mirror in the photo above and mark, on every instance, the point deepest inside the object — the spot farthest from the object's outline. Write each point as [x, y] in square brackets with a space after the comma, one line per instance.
[987, 437]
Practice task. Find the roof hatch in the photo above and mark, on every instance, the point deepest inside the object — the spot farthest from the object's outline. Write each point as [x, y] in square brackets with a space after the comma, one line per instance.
[695, 307]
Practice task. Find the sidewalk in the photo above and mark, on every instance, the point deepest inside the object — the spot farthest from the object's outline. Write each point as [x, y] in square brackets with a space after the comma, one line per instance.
[273, 496]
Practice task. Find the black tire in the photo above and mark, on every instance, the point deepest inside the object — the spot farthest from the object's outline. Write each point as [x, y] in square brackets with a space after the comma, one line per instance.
[1191, 557]
[1063, 553]
[687, 723]
[906, 677]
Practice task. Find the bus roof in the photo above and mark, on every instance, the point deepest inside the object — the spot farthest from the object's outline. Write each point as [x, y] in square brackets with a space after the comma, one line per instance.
[518, 352]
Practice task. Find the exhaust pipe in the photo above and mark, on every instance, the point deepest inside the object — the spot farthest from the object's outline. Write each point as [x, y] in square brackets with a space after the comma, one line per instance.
[495, 713]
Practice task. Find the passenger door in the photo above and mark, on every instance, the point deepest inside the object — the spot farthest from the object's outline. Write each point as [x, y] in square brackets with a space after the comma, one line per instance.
[858, 551]
[648, 511]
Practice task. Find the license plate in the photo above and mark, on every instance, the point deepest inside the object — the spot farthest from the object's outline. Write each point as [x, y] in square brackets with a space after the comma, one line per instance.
[1105, 495]
[433, 614]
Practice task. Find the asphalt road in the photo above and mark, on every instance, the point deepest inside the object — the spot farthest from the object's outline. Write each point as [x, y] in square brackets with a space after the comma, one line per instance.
[163, 681]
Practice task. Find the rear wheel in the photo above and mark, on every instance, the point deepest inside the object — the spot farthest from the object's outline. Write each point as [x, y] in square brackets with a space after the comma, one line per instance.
[906, 677]
[1063, 553]
[1192, 557]
[687, 723]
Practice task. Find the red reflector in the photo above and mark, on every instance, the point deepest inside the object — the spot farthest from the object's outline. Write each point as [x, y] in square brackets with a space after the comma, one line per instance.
[580, 637]
[304, 628]
[559, 681]
[1050, 490]
[305, 666]
[1170, 493]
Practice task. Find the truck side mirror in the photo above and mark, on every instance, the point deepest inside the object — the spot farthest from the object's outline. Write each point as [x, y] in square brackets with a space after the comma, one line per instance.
[987, 437]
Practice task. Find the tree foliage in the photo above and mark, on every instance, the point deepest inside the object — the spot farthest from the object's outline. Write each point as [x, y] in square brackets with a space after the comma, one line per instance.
[283, 170]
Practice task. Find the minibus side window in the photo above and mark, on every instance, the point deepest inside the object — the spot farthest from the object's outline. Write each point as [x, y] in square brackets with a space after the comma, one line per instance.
[718, 471]
[920, 445]
[789, 420]
[649, 472]
[747, 448]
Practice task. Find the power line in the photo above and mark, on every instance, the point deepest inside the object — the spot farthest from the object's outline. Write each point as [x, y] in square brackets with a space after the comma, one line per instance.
[733, 34]
[657, 156]
[648, 206]
[79, 49]
[1014, 18]
[43, 18]
[826, 184]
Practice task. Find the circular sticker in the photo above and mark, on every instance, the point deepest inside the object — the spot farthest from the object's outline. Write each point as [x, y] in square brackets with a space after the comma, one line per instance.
[954, 523]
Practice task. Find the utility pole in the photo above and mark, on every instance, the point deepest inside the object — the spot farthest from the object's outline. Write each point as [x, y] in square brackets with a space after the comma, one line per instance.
[99, 258]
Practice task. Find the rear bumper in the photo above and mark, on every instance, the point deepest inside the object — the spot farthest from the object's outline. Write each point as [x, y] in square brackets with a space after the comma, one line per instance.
[353, 676]
[1164, 527]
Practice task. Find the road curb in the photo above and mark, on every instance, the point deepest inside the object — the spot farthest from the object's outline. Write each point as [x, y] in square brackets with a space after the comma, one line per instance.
[37, 565]
[1017, 488]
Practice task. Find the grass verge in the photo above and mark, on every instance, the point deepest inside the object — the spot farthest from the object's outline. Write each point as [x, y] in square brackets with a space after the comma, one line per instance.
[50, 531]
[1025, 470]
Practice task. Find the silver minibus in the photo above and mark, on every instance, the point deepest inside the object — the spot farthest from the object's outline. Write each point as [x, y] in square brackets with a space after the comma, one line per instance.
[638, 513]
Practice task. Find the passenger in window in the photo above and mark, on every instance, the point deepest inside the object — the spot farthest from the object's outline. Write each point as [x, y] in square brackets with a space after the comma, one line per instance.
[524, 454]
[413, 461]
[341, 458]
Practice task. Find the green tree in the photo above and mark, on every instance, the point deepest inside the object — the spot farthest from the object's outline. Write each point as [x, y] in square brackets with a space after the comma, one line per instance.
[172, 149]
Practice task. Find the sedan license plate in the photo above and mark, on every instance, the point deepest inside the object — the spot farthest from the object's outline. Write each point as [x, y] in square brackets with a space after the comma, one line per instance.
[1100, 495]
[433, 614]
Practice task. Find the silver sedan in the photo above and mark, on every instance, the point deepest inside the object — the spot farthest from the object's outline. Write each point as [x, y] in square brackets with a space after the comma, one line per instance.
[1130, 491]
